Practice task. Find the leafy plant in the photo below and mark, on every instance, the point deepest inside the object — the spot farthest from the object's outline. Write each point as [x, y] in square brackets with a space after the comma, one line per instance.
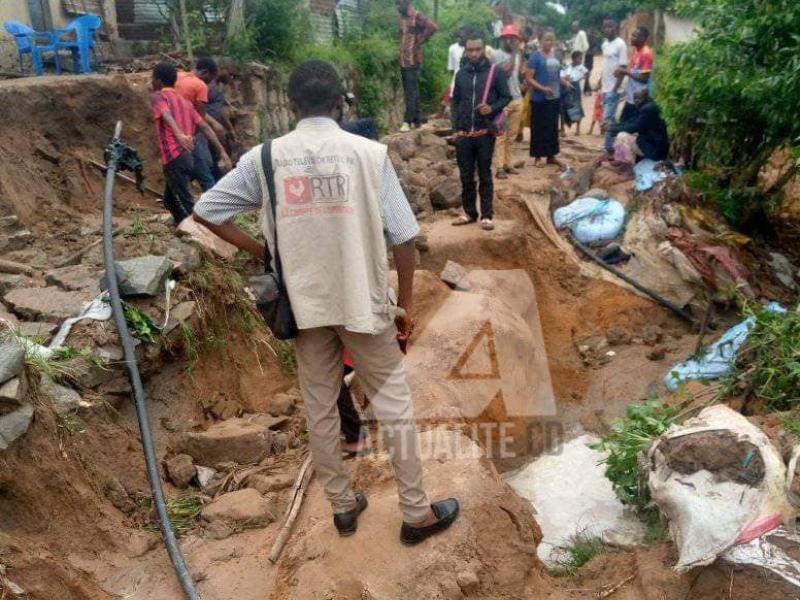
[768, 362]
[140, 323]
[628, 438]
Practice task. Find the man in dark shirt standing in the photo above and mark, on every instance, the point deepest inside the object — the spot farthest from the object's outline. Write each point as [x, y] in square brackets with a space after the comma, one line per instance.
[415, 30]
[477, 101]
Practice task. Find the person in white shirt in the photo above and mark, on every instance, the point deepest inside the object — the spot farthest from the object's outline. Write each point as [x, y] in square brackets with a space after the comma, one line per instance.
[580, 43]
[454, 55]
[615, 55]
[571, 98]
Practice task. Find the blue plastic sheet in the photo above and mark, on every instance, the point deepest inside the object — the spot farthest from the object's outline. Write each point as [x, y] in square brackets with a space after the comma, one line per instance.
[718, 358]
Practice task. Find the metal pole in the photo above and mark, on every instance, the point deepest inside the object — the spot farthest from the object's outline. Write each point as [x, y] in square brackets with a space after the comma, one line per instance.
[185, 26]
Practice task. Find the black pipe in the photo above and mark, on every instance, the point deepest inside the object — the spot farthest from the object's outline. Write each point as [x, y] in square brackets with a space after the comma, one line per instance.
[662, 301]
[114, 154]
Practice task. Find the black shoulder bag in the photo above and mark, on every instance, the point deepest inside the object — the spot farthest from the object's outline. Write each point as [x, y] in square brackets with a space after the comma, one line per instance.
[272, 300]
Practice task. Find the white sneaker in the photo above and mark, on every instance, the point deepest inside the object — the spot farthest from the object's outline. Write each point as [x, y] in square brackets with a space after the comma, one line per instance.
[405, 127]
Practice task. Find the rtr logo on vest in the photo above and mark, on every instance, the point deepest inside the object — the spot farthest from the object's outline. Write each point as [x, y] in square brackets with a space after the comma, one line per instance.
[316, 188]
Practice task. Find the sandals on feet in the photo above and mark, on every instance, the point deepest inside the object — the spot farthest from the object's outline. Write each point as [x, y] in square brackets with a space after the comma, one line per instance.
[463, 220]
[487, 225]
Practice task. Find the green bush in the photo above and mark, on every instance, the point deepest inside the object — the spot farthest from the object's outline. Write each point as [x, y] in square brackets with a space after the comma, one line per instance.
[733, 94]
[272, 32]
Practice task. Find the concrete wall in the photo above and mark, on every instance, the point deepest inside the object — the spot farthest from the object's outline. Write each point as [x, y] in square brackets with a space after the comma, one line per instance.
[678, 29]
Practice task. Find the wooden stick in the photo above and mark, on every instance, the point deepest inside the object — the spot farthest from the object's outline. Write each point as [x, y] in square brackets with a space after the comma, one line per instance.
[298, 492]
[614, 588]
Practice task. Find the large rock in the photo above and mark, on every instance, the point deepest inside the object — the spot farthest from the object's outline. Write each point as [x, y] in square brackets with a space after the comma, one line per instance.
[203, 237]
[74, 278]
[9, 282]
[431, 140]
[446, 195]
[14, 425]
[488, 549]
[403, 144]
[433, 153]
[12, 359]
[235, 440]
[185, 256]
[180, 470]
[142, 276]
[38, 330]
[243, 508]
[65, 400]
[12, 395]
[455, 276]
[46, 303]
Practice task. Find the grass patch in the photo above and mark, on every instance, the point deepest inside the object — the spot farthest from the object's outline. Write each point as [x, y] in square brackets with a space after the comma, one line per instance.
[183, 512]
[791, 423]
[582, 548]
[140, 323]
[768, 363]
[628, 438]
[190, 346]
[284, 351]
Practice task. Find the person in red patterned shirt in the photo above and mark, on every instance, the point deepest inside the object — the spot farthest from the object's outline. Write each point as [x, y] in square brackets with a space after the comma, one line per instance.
[415, 30]
[176, 121]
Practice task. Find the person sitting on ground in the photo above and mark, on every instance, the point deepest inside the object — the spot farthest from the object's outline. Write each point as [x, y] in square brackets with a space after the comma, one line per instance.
[176, 124]
[475, 138]
[638, 70]
[193, 85]
[652, 138]
[572, 97]
[338, 202]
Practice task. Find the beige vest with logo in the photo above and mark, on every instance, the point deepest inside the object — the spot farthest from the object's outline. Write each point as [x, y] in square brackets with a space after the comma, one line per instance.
[330, 226]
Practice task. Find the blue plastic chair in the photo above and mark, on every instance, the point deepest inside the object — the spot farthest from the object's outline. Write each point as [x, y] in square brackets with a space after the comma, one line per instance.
[26, 39]
[83, 29]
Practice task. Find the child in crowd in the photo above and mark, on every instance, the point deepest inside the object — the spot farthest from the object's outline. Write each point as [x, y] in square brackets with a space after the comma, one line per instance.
[597, 112]
[572, 104]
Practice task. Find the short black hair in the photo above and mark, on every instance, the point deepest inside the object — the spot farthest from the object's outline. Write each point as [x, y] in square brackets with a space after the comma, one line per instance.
[577, 54]
[472, 33]
[206, 63]
[315, 87]
[166, 73]
[643, 31]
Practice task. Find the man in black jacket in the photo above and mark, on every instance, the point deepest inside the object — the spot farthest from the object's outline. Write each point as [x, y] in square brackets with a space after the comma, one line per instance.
[473, 120]
[652, 139]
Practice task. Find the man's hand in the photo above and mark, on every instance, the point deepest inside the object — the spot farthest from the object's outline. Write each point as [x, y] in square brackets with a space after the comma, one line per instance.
[484, 109]
[186, 142]
[621, 71]
[225, 163]
[548, 91]
[405, 327]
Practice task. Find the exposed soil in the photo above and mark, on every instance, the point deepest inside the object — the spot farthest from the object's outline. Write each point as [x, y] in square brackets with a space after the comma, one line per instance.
[71, 509]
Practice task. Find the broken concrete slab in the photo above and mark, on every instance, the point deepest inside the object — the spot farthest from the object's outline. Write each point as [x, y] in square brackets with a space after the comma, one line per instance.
[202, 236]
[46, 303]
[74, 278]
[141, 276]
[241, 509]
[65, 400]
[12, 395]
[14, 425]
[12, 359]
[180, 470]
[456, 276]
[235, 440]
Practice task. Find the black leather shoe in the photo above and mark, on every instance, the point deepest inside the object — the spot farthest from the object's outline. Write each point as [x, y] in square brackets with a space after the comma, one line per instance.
[445, 510]
[347, 522]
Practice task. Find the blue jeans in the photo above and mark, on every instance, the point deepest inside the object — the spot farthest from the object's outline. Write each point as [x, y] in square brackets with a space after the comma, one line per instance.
[610, 100]
[203, 163]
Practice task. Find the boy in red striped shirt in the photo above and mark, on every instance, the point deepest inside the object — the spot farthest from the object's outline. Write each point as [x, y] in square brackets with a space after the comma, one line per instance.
[176, 121]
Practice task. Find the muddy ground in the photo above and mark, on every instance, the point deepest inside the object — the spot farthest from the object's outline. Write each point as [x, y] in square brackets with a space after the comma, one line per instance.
[74, 521]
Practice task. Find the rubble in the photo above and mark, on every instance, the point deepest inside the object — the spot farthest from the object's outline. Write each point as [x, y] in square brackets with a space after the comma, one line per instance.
[235, 440]
[12, 359]
[65, 400]
[37, 330]
[456, 276]
[199, 234]
[180, 470]
[14, 425]
[283, 404]
[74, 278]
[9, 282]
[12, 394]
[270, 483]
[142, 276]
[46, 303]
[783, 270]
[240, 509]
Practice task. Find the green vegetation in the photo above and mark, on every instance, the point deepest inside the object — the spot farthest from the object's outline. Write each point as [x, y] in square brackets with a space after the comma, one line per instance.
[731, 95]
[768, 363]
[183, 511]
[630, 436]
[582, 548]
[140, 324]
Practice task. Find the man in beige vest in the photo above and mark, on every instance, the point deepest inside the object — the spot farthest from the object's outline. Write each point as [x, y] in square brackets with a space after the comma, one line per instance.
[338, 204]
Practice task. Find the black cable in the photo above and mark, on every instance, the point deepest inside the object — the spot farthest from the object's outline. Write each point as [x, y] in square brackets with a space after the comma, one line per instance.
[662, 301]
[120, 156]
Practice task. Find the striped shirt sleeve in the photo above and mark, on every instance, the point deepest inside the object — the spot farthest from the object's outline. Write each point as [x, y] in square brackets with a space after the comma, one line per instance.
[399, 222]
[237, 192]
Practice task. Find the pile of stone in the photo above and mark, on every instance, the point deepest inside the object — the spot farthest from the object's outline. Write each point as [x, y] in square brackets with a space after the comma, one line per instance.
[16, 413]
[429, 175]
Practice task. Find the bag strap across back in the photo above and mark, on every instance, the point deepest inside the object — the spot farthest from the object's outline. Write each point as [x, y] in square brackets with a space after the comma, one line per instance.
[269, 175]
[488, 85]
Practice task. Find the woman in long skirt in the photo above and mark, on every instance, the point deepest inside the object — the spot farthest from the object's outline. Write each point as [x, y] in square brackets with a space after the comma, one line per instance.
[544, 77]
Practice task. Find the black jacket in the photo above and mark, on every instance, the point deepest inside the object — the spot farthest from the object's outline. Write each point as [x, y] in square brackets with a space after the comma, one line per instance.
[468, 92]
[653, 139]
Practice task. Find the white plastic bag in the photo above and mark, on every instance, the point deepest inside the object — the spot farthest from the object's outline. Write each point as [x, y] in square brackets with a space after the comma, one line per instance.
[591, 220]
